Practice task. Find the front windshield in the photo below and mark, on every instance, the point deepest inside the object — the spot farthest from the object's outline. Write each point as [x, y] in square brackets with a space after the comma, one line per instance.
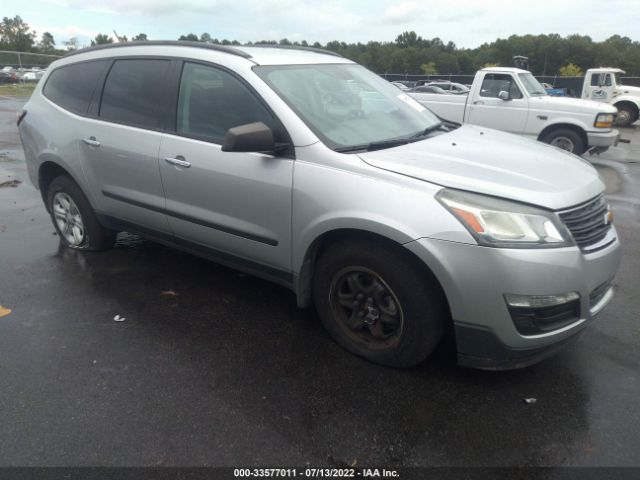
[532, 85]
[618, 79]
[348, 107]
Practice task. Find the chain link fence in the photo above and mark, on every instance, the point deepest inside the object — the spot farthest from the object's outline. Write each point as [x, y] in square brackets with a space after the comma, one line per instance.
[22, 68]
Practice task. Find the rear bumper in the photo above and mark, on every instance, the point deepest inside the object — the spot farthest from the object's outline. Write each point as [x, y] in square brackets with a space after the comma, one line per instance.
[603, 139]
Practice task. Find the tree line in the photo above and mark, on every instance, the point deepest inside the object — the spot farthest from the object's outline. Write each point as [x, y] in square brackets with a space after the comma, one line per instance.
[409, 53]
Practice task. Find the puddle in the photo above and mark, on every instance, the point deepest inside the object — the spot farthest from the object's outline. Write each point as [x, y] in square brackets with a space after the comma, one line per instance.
[610, 178]
[129, 240]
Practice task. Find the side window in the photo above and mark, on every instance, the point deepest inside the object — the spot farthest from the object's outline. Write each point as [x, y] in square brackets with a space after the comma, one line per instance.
[607, 81]
[494, 83]
[72, 87]
[595, 79]
[135, 93]
[211, 101]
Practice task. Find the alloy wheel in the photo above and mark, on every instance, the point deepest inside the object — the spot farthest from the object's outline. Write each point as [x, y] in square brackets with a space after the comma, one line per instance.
[68, 219]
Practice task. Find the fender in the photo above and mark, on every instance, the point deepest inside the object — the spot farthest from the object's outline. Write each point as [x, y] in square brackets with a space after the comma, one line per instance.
[626, 98]
[48, 159]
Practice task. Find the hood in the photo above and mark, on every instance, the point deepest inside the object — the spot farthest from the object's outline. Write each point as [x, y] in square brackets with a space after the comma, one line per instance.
[571, 105]
[487, 161]
[628, 90]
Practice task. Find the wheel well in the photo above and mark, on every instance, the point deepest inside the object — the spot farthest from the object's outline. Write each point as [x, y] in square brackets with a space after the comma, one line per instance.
[320, 244]
[47, 172]
[631, 105]
[569, 126]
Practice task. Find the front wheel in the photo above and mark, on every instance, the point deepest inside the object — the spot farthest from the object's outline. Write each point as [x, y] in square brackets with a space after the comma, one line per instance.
[378, 303]
[625, 116]
[73, 217]
[566, 139]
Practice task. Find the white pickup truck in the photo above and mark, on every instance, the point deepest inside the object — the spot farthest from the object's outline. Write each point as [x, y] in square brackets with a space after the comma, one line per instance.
[512, 100]
[604, 85]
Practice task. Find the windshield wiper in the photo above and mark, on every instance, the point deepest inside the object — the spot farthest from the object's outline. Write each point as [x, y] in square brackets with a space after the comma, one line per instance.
[428, 130]
[393, 142]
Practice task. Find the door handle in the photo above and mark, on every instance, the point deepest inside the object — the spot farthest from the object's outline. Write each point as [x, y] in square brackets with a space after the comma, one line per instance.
[91, 141]
[179, 161]
[478, 102]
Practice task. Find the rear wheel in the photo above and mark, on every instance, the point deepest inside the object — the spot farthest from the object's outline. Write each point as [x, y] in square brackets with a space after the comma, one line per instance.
[566, 139]
[73, 217]
[377, 302]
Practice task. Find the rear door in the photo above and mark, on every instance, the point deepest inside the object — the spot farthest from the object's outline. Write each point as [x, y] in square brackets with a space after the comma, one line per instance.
[488, 110]
[120, 143]
[234, 203]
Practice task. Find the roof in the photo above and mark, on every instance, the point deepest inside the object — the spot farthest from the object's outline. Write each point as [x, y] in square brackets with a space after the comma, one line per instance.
[505, 69]
[258, 54]
[606, 70]
[284, 55]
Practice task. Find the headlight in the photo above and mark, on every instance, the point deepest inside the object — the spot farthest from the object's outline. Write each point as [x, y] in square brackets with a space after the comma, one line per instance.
[495, 222]
[604, 120]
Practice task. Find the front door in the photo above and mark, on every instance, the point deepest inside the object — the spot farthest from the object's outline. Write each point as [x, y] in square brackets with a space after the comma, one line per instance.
[599, 88]
[488, 110]
[234, 203]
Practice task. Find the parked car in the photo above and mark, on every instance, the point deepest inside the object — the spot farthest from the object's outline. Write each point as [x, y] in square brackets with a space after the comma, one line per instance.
[428, 89]
[32, 76]
[553, 91]
[449, 87]
[512, 100]
[319, 175]
[6, 77]
[604, 85]
[400, 85]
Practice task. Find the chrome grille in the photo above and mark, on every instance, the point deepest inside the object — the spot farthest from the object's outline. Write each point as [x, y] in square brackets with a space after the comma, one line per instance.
[587, 222]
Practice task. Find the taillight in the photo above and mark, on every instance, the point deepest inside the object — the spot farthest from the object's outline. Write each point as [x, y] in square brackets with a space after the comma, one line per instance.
[21, 114]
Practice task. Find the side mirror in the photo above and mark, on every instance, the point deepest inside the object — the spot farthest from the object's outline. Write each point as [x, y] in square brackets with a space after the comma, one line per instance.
[504, 95]
[252, 137]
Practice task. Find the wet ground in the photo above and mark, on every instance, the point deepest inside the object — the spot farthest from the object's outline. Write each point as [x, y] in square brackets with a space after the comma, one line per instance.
[212, 367]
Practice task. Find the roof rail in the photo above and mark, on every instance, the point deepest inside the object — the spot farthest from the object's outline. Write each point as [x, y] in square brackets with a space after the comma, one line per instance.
[295, 47]
[178, 43]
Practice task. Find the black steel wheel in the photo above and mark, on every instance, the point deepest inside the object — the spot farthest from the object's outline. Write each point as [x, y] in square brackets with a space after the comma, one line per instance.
[377, 301]
[365, 307]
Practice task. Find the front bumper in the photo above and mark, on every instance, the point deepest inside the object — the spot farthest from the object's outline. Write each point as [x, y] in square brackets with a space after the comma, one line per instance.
[603, 139]
[476, 278]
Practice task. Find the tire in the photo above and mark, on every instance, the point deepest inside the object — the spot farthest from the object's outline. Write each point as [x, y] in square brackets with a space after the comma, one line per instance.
[566, 139]
[394, 282]
[626, 116]
[74, 219]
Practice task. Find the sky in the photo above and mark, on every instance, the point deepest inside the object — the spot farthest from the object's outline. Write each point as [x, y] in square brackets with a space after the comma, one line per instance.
[468, 23]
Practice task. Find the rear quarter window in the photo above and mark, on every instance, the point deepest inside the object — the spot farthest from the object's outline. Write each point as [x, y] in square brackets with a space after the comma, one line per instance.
[72, 86]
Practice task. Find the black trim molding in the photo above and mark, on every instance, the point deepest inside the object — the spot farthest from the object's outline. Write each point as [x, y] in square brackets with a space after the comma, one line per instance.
[188, 218]
[282, 277]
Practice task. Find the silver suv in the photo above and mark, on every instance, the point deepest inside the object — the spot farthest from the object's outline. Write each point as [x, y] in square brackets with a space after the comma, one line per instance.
[305, 168]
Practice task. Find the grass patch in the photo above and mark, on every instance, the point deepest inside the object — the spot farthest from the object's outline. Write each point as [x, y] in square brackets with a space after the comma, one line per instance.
[18, 90]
